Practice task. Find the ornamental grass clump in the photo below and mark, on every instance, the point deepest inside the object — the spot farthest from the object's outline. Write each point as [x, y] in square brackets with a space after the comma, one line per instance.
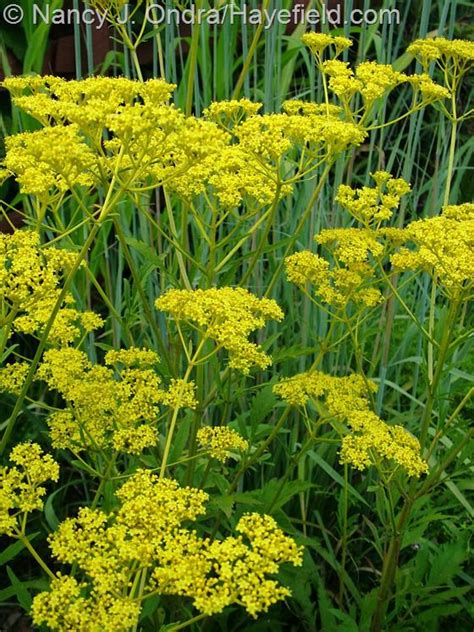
[234, 346]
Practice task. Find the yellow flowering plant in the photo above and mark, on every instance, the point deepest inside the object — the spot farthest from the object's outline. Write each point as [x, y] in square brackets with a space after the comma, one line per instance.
[197, 322]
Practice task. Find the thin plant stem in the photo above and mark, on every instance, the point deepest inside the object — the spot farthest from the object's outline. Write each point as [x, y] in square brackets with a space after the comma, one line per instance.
[33, 552]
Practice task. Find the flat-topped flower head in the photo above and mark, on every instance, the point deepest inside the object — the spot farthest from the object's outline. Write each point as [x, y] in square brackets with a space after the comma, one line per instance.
[226, 315]
[31, 276]
[12, 377]
[441, 246]
[221, 441]
[372, 205]
[235, 570]
[149, 531]
[50, 160]
[442, 49]
[319, 42]
[107, 407]
[232, 111]
[338, 286]
[368, 440]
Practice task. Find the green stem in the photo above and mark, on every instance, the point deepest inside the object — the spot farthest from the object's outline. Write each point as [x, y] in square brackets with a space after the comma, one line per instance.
[27, 544]
[264, 237]
[248, 463]
[174, 233]
[440, 433]
[250, 54]
[192, 62]
[143, 297]
[391, 558]
[103, 482]
[300, 225]
[344, 533]
[452, 145]
[389, 568]
[5, 330]
[174, 417]
[438, 371]
[293, 463]
[141, 587]
[185, 624]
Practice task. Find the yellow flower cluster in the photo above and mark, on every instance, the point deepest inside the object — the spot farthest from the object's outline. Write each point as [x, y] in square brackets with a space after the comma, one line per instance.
[297, 106]
[66, 608]
[429, 90]
[21, 486]
[273, 135]
[443, 247]
[227, 316]
[342, 394]
[459, 212]
[180, 394]
[147, 140]
[442, 49]
[151, 510]
[50, 159]
[106, 407]
[353, 276]
[12, 377]
[133, 357]
[371, 440]
[146, 537]
[319, 42]
[232, 175]
[248, 164]
[231, 112]
[30, 277]
[370, 80]
[69, 324]
[222, 572]
[372, 205]
[101, 128]
[221, 441]
[338, 286]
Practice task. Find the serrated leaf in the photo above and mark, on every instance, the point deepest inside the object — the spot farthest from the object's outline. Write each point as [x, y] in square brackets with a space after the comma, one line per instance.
[446, 563]
[225, 503]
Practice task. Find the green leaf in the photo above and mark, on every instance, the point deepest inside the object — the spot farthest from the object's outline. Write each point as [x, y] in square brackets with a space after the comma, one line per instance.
[367, 607]
[335, 476]
[35, 584]
[21, 591]
[326, 611]
[347, 622]
[447, 563]
[13, 549]
[147, 251]
[434, 614]
[262, 405]
[225, 503]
